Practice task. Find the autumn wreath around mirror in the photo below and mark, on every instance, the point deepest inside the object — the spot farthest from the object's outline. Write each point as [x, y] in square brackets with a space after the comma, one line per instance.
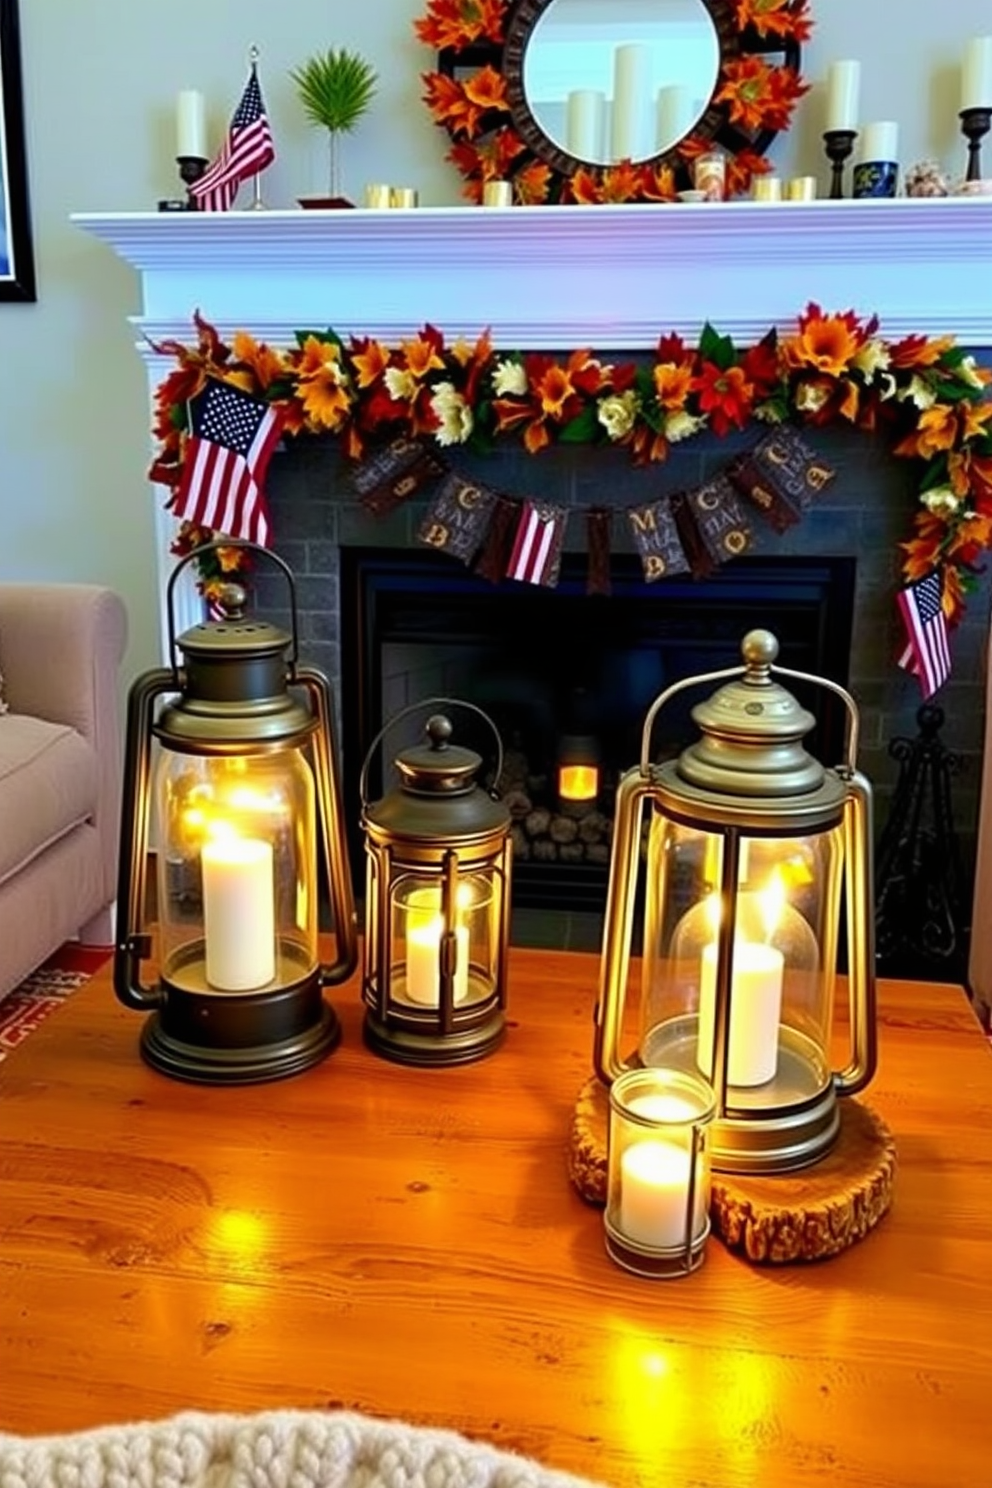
[586, 101]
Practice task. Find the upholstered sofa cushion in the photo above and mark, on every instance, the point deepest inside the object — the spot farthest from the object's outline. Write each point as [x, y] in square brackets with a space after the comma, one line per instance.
[48, 785]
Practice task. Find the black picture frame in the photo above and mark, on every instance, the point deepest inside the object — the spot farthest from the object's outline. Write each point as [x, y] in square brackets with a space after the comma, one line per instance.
[17, 280]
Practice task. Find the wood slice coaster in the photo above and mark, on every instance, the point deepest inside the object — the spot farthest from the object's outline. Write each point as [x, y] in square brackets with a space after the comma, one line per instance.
[804, 1216]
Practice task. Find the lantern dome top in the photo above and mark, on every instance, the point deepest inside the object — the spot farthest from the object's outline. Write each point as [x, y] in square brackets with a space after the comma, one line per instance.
[752, 732]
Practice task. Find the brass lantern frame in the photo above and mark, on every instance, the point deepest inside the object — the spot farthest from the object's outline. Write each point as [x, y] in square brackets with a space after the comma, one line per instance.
[226, 706]
[798, 1133]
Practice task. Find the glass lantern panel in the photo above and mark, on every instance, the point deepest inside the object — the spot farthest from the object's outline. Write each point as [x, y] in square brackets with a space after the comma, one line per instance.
[417, 937]
[780, 932]
[237, 870]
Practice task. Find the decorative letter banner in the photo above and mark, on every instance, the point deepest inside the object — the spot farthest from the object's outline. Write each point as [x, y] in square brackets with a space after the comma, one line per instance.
[521, 538]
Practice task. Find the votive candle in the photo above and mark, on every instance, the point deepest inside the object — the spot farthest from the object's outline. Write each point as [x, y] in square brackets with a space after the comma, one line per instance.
[238, 913]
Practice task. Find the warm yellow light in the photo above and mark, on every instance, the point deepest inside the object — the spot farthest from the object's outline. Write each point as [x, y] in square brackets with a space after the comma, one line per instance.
[772, 901]
[578, 782]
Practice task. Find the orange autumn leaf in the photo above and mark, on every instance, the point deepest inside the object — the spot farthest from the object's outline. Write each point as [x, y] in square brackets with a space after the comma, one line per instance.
[322, 386]
[936, 430]
[421, 356]
[458, 23]
[975, 420]
[265, 364]
[531, 184]
[487, 89]
[919, 351]
[672, 383]
[786, 18]
[536, 437]
[584, 187]
[620, 183]
[369, 360]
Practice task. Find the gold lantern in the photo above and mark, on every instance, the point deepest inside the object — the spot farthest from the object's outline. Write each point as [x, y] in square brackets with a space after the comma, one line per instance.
[234, 779]
[437, 905]
[754, 857]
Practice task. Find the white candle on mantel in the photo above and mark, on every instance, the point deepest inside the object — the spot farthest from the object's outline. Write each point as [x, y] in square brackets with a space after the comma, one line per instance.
[880, 142]
[654, 1193]
[423, 959]
[585, 113]
[630, 137]
[843, 87]
[238, 913]
[976, 74]
[755, 1012]
[191, 129]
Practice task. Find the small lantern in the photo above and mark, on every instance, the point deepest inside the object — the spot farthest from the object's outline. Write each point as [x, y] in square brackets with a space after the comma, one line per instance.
[240, 796]
[755, 855]
[437, 904]
[578, 772]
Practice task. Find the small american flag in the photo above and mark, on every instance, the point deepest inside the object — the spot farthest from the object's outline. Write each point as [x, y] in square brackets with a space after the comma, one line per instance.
[232, 436]
[536, 554]
[927, 654]
[247, 149]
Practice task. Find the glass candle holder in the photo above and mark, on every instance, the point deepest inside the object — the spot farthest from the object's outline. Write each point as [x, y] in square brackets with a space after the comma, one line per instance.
[658, 1180]
[710, 175]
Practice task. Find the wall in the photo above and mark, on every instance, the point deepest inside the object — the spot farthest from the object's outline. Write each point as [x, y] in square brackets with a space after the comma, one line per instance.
[100, 81]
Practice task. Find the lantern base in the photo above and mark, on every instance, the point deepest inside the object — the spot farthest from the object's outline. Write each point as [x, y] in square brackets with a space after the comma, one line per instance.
[461, 1046]
[240, 1039]
[655, 1265]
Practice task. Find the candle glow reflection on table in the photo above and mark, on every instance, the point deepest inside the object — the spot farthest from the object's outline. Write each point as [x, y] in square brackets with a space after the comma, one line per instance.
[238, 913]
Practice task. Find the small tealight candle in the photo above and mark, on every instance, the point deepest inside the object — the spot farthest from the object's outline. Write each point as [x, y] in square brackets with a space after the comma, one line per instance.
[658, 1183]
[378, 196]
[497, 194]
[801, 189]
[766, 189]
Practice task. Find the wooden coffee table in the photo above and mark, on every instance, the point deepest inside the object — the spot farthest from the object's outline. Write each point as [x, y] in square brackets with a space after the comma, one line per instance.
[406, 1243]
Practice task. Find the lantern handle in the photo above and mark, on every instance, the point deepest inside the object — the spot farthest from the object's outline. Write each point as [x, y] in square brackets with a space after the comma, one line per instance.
[433, 702]
[847, 769]
[213, 546]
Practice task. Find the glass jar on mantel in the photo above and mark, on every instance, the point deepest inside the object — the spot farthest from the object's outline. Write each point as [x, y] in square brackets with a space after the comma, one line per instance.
[437, 902]
[755, 858]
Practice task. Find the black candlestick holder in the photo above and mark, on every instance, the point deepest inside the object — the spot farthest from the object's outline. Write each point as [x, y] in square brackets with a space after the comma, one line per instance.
[838, 144]
[975, 125]
[191, 168]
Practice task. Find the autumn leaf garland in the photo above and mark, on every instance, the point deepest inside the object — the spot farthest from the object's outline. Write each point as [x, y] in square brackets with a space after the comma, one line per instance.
[926, 395]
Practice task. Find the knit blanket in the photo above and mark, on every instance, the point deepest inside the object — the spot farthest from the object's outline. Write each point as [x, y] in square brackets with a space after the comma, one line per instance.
[278, 1449]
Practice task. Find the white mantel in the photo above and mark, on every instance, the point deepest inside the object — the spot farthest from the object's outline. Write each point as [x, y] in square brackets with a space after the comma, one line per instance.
[611, 277]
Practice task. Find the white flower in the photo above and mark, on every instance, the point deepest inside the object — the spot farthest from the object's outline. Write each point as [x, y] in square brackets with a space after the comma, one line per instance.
[918, 391]
[811, 396]
[509, 379]
[967, 371]
[940, 499]
[401, 383]
[454, 414]
[617, 413]
[886, 386]
[873, 357]
[681, 425]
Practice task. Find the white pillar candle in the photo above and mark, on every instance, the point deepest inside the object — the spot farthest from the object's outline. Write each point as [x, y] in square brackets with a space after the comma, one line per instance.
[238, 913]
[880, 141]
[191, 129]
[423, 959]
[755, 1012]
[629, 138]
[976, 74]
[654, 1193]
[674, 115]
[585, 115]
[843, 87]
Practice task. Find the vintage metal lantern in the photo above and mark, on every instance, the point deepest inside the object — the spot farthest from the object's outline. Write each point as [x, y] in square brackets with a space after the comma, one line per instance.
[437, 902]
[230, 773]
[756, 877]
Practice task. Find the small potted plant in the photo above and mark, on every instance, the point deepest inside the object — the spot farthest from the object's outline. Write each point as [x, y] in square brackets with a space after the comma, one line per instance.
[335, 88]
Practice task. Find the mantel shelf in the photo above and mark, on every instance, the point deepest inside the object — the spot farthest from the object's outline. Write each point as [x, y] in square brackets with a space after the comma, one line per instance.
[612, 277]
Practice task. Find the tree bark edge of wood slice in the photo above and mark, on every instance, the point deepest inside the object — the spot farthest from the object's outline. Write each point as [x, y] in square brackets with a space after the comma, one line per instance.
[809, 1215]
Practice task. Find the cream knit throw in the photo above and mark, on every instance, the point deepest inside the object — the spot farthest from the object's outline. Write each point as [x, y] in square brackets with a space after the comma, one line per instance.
[278, 1449]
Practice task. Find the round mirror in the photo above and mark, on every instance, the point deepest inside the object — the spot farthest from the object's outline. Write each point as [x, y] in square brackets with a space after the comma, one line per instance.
[611, 100]
[624, 80]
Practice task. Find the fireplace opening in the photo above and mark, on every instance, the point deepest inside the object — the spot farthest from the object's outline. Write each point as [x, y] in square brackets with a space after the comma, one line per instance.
[567, 679]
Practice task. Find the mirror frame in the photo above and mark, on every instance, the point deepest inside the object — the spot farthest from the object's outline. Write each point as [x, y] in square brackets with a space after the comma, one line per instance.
[476, 93]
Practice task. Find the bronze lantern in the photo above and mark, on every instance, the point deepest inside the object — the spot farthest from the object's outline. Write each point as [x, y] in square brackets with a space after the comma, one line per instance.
[754, 859]
[437, 905]
[230, 772]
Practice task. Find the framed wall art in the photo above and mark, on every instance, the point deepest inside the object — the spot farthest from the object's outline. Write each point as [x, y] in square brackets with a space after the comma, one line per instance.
[16, 250]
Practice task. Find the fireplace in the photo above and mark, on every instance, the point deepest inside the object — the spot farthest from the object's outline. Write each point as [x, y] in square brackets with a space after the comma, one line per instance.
[565, 676]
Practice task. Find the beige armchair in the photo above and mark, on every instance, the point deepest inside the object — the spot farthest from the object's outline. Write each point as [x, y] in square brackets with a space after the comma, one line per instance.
[61, 647]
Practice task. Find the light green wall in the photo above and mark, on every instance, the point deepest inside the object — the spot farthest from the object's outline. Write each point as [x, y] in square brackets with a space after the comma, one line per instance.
[100, 79]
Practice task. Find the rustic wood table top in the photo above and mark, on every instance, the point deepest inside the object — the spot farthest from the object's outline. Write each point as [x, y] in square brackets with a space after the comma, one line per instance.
[406, 1243]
